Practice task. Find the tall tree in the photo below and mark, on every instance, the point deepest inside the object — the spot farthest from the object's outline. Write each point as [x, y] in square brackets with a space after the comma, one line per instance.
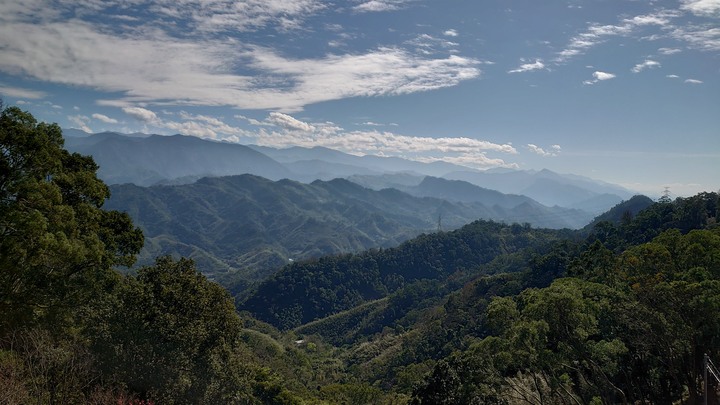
[57, 246]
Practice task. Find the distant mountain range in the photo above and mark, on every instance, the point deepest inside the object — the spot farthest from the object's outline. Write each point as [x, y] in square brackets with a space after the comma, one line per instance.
[549, 188]
[249, 210]
[160, 159]
[154, 159]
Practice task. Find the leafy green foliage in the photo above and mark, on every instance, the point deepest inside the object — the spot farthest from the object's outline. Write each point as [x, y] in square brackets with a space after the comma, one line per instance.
[58, 246]
[72, 329]
[171, 336]
[626, 328]
[306, 291]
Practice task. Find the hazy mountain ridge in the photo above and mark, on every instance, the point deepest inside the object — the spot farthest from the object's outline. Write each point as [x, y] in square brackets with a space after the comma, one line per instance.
[254, 225]
[154, 159]
[550, 188]
[251, 222]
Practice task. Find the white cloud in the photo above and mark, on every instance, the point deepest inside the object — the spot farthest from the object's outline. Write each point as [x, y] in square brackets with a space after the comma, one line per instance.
[554, 150]
[672, 76]
[202, 126]
[600, 76]
[208, 67]
[379, 5]
[704, 38]
[81, 122]
[596, 34]
[428, 45]
[288, 122]
[461, 150]
[701, 7]
[202, 72]
[529, 67]
[693, 81]
[105, 118]
[11, 91]
[141, 114]
[196, 16]
[647, 64]
[603, 75]
[451, 33]
[669, 51]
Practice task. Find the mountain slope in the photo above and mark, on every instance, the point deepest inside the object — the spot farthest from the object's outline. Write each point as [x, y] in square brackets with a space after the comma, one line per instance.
[248, 222]
[303, 292]
[254, 225]
[368, 162]
[153, 159]
[549, 188]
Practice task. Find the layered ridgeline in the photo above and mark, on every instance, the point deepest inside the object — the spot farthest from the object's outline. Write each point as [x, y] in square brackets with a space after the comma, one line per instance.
[549, 188]
[492, 312]
[254, 225]
[153, 159]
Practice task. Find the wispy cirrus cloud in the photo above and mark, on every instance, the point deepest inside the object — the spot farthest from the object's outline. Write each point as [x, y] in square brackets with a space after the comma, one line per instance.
[596, 34]
[701, 37]
[669, 51]
[19, 92]
[186, 16]
[529, 67]
[702, 7]
[202, 71]
[208, 68]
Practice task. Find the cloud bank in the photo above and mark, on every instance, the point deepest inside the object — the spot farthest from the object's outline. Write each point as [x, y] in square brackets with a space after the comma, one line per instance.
[157, 63]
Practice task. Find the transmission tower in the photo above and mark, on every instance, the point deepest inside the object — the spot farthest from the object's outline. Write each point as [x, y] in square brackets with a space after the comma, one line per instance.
[709, 367]
[666, 195]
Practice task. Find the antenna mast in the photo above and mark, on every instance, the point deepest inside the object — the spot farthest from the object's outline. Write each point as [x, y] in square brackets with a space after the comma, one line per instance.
[666, 195]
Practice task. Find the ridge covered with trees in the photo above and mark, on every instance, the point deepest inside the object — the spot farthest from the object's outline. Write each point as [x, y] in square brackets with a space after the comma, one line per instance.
[620, 312]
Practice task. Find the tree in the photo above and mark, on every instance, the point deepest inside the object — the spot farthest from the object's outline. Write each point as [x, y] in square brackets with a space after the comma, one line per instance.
[57, 245]
[173, 336]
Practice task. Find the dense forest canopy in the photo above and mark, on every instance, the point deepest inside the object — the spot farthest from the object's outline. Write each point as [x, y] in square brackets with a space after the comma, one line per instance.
[623, 311]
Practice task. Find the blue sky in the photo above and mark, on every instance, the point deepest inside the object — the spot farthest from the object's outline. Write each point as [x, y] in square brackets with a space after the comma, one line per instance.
[622, 91]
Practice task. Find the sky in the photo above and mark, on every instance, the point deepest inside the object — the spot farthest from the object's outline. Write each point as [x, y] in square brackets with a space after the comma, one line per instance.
[627, 92]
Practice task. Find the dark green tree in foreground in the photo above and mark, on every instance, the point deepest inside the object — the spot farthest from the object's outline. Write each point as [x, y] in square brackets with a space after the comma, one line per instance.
[171, 336]
[75, 331]
[57, 246]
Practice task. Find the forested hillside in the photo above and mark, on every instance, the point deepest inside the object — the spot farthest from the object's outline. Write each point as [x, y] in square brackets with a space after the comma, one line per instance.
[251, 226]
[488, 313]
[309, 290]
